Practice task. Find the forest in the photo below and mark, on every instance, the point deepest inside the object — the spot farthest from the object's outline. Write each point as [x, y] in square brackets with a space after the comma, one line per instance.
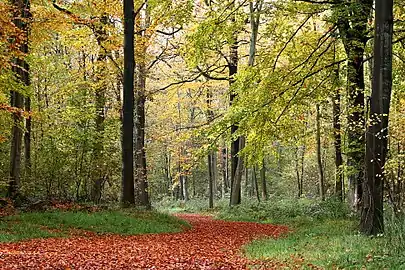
[275, 129]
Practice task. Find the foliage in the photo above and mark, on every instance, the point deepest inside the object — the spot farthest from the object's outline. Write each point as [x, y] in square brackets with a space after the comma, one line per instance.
[283, 211]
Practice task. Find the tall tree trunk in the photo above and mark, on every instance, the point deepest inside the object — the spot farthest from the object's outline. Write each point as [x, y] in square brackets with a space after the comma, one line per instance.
[168, 175]
[352, 24]
[319, 154]
[27, 136]
[237, 182]
[297, 172]
[372, 222]
[263, 181]
[185, 187]
[255, 184]
[210, 181]
[21, 18]
[299, 169]
[337, 137]
[100, 100]
[141, 180]
[235, 176]
[181, 187]
[128, 196]
[224, 167]
[211, 159]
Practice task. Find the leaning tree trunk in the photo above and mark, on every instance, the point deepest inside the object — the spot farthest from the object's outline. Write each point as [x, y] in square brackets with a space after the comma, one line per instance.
[372, 222]
[21, 69]
[128, 195]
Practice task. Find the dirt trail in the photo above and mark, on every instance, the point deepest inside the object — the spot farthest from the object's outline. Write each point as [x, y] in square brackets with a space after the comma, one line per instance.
[210, 244]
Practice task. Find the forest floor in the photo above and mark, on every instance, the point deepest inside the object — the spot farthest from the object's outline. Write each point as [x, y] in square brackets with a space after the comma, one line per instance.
[209, 244]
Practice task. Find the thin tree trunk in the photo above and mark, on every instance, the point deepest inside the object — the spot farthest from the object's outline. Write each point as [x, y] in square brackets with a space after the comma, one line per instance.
[27, 137]
[255, 184]
[168, 176]
[337, 138]
[299, 169]
[233, 67]
[372, 221]
[210, 181]
[211, 159]
[185, 187]
[297, 172]
[263, 181]
[237, 183]
[224, 165]
[319, 154]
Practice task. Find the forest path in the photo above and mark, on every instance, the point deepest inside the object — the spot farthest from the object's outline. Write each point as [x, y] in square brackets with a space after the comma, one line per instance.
[209, 244]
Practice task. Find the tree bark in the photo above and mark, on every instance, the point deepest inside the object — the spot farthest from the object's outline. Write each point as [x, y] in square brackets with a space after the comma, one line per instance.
[372, 222]
[21, 18]
[255, 184]
[319, 154]
[100, 100]
[337, 137]
[224, 167]
[210, 181]
[27, 136]
[141, 180]
[211, 158]
[128, 196]
[233, 69]
[236, 188]
[263, 181]
[352, 24]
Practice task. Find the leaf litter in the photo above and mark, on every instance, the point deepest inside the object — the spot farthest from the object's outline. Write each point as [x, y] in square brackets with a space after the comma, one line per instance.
[209, 244]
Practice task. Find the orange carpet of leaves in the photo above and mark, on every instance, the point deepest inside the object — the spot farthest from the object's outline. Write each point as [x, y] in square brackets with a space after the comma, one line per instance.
[210, 244]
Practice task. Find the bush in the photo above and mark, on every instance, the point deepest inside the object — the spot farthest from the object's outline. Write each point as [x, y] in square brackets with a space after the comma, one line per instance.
[286, 211]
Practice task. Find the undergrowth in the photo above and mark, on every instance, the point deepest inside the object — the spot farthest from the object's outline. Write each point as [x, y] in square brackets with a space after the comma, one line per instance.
[61, 223]
[323, 233]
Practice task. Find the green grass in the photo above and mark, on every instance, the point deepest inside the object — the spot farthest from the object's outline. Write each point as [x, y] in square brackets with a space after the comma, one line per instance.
[58, 224]
[323, 234]
[330, 244]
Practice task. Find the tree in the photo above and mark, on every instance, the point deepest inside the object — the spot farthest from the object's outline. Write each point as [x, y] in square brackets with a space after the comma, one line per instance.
[352, 20]
[372, 222]
[140, 153]
[237, 141]
[128, 196]
[339, 187]
[21, 69]
[319, 154]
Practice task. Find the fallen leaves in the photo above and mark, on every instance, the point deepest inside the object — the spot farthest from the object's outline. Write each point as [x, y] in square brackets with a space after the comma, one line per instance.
[210, 244]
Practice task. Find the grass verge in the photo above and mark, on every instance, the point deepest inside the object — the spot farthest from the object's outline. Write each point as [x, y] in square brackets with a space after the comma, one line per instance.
[329, 244]
[60, 223]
